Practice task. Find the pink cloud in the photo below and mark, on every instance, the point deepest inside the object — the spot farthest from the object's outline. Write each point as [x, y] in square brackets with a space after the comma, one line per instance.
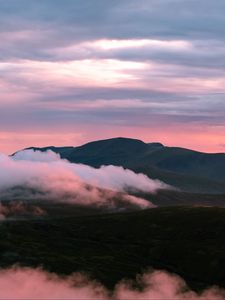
[58, 180]
[27, 283]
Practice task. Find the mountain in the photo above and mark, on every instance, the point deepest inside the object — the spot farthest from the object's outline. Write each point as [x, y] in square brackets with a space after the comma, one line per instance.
[185, 169]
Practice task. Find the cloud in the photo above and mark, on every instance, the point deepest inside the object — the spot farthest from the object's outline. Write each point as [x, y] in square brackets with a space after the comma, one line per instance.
[36, 175]
[27, 283]
[36, 284]
[55, 54]
[109, 177]
[162, 285]
[36, 156]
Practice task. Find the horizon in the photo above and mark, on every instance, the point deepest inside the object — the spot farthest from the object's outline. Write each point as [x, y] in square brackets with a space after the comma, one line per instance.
[75, 71]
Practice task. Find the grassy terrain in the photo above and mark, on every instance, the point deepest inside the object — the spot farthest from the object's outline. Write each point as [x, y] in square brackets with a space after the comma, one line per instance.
[189, 241]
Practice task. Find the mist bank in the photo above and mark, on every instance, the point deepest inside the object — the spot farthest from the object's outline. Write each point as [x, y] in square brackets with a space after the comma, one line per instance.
[110, 177]
[26, 283]
[44, 175]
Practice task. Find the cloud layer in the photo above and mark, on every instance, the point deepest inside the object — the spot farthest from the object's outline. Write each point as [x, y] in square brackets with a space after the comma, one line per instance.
[95, 69]
[26, 283]
[43, 175]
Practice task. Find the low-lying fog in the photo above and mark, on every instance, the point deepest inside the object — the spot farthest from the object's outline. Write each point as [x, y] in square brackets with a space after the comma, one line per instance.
[26, 283]
[43, 175]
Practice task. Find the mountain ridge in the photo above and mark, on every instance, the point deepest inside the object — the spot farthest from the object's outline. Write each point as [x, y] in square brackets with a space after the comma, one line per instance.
[186, 169]
[158, 144]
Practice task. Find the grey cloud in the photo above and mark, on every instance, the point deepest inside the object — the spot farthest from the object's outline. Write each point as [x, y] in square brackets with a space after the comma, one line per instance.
[40, 118]
[36, 30]
[131, 18]
[68, 22]
[205, 54]
[46, 26]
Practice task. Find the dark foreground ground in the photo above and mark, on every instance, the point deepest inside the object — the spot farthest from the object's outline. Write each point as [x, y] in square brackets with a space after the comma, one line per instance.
[189, 241]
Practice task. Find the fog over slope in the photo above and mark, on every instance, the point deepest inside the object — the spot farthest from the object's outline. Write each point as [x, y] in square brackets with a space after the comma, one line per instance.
[47, 176]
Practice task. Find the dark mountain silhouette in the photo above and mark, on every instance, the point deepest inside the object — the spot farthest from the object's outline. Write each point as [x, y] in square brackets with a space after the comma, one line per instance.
[186, 169]
[63, 151]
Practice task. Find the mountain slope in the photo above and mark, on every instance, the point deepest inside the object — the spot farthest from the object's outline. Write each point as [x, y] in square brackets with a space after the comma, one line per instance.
[186, 169]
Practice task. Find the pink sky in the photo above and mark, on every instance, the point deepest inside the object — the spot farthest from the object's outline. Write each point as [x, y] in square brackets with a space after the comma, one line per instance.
[118, 71]
[201, 140]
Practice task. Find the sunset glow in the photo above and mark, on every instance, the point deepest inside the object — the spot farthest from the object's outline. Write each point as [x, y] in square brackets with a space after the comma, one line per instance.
[138, 75]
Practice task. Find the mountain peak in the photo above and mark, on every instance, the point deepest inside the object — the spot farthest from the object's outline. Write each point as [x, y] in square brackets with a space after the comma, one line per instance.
[117, 140]
[118, 144]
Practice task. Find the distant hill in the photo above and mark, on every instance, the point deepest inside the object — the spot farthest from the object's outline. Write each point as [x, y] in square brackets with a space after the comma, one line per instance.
[186, 169]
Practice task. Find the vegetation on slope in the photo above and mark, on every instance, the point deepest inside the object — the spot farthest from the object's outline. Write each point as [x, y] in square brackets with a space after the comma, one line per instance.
[189, 241]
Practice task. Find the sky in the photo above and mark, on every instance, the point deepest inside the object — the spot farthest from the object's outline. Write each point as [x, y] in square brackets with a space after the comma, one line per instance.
[74, 71]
